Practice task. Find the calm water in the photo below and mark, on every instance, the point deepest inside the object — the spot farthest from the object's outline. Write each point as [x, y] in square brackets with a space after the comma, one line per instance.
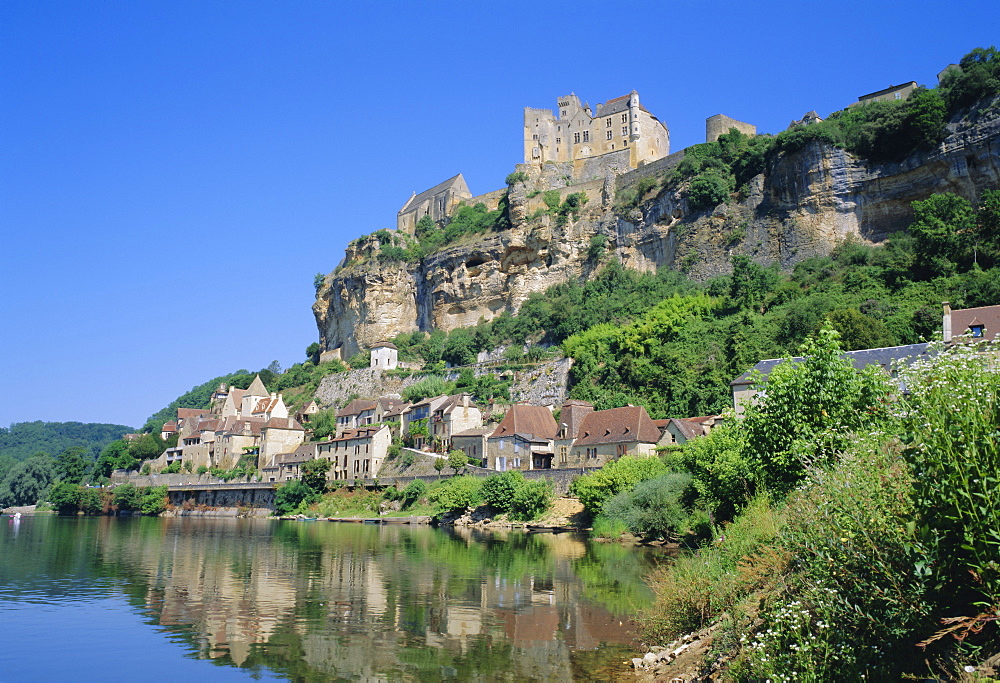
[218, 599]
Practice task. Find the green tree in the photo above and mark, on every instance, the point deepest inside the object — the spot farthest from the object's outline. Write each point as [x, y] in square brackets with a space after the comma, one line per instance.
[90, 501]
[314, 473]
[293, 494]
[440, 464]
[128, 496]
[811, 411]
[27, 481]
[457, 460]
[413, 492]
[499, 489]
[153, 500]
[65, 496]
[313, 351]
[71, 465]
[943, 227]
[318, 280]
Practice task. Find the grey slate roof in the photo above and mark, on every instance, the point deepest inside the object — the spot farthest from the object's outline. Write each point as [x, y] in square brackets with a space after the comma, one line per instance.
[455, 182]
[862, 358]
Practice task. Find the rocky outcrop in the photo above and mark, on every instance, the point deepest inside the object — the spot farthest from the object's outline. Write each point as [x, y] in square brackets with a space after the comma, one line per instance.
[804, 204]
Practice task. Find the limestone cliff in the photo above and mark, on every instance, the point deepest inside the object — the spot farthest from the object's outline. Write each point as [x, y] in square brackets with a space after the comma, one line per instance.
[803, 205]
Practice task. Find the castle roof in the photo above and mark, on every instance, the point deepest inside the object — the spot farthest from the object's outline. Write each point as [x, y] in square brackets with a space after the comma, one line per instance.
[615, 106]
[456, 183]
[617, 425]
[257, 388]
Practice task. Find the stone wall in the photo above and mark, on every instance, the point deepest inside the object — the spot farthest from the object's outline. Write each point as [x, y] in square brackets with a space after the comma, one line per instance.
[654, 168]
[720, 124]
[336, 389]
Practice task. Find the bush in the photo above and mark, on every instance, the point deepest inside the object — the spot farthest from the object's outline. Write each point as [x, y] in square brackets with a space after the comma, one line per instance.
[655, 508]
[413, 492]
[596, 488]
[65, 497]
[127, 497]
[531, 500]
[153, 500]
[707, 190]
[456, 494]
[291, 495]
[499, 490]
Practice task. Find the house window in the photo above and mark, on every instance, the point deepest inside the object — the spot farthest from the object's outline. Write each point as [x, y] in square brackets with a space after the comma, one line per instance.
[563, 453]
[621, 449]
[977, 330]
[609, 135]
[576, 138]
[586, 136]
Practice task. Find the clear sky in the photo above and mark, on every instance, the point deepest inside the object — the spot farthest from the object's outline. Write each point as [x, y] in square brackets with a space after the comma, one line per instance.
[173, 174]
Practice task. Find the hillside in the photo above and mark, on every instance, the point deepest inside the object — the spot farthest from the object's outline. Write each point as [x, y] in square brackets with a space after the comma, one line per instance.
[779, 200]
[23, 439]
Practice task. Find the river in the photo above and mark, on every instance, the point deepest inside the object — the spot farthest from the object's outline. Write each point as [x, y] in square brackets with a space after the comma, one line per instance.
[105, 598]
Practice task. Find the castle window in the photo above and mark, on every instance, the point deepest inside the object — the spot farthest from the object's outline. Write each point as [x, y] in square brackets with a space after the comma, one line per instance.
[609, 135]
[586, 136]
[624, 118]
[609, 122]
[625, 142]
[576, 138]
[534, 137]
[562, 113]
[558, 141]
[624, 130]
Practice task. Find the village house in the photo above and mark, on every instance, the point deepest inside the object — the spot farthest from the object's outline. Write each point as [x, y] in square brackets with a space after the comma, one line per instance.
[456, 414]
[287, 466]
[305, 413]
[394, 415]
[607, 435]
[473, 442]
[970, 324]
[570, 419]
[357, 413]
[523, 440]
[384, 355]
[421, 410]
[279, 435]
[357, 453]
[678, 431]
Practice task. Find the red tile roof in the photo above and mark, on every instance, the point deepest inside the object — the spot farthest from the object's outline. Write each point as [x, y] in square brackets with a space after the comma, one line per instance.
[987, 316]
[524, 419]
[617, 425]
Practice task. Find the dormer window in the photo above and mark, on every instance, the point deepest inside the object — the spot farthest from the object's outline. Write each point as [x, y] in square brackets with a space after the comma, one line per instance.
[977, 331]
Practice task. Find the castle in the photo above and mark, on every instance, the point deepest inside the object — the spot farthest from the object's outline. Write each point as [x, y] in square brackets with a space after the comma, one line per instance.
[576, 133]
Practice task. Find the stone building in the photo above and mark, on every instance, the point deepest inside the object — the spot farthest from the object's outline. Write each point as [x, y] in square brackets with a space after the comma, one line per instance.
[438, 202]
[279, 435]
[357, 453]
[720, 123]
[385, 355]
[523, 440]
[457, 414]
[607, 435]
[574, 132]
[890, 94]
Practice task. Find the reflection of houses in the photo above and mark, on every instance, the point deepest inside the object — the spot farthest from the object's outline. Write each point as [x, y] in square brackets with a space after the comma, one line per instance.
[607, 435]
[356, 453]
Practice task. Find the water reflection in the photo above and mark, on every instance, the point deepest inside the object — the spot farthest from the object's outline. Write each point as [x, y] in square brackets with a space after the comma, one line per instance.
[322, 600]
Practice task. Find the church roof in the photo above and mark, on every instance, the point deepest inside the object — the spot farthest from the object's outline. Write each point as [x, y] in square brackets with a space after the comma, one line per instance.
[456, 183]
[257, 388]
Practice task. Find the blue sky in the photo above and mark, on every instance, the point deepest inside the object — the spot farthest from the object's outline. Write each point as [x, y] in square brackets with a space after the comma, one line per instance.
[173, 174]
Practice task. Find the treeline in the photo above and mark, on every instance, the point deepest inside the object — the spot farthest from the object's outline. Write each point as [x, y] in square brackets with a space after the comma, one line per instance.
[24, 439]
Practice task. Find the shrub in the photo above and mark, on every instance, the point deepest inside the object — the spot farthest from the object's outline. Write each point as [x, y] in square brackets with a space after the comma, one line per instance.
[596, 488]
[65, 497]
[458, 493]
[499, 489]
[457, 460]
[707, 190]
[127, 497]
[202, 469]
[413, 492]
[153, 500]
[655, 508]
[91, 502]
[531, 499]
[291, 495]
[516, 177]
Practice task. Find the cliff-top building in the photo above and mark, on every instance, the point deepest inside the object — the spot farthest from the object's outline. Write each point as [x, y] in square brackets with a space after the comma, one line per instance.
[575, 132]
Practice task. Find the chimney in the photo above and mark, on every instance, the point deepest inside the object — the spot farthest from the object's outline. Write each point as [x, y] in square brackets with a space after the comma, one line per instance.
[946, 322]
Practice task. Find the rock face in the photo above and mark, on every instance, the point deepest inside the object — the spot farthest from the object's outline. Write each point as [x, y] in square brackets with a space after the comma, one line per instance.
[803, 205]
